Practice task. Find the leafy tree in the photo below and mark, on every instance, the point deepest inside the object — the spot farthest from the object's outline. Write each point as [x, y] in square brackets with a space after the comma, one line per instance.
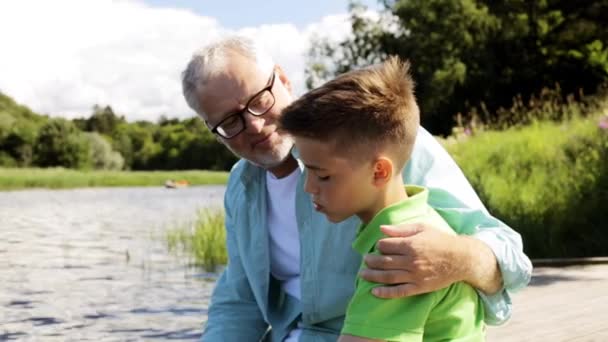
[101, 154]
[121, 142]
[103, 120]
[163, 120]
[144, 147]
[468, 52]
[205, 151]
[18, 129]
[60, 143]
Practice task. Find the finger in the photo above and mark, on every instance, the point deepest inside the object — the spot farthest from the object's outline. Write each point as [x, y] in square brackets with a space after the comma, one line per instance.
[394, 246]
[402, 230]
[386, 277]
[386, 262]
[396, 291]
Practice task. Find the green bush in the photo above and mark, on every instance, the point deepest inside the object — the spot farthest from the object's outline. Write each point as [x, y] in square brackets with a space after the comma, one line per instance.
[204, 240]
[101, 154]
[60, 143]
[549, 181]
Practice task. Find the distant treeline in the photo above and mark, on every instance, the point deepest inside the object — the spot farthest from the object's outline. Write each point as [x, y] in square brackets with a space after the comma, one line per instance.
[106, 141]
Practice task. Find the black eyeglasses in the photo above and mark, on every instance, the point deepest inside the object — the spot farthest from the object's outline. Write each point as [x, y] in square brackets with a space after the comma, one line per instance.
[258, 105]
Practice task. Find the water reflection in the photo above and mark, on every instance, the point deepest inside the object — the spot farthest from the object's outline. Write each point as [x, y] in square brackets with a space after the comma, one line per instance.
[91, 264]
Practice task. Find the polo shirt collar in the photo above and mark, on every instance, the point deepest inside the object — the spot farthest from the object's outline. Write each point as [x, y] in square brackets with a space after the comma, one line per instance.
[414, 205]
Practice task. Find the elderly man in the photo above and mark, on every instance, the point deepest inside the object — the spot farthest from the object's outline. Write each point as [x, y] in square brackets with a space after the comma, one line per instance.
[290, 275]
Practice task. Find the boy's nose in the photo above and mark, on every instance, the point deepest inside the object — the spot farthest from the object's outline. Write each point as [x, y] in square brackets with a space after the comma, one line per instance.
[309, 186]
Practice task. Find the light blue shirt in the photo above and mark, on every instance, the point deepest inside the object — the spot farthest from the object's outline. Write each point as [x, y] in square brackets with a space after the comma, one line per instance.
[247, 300]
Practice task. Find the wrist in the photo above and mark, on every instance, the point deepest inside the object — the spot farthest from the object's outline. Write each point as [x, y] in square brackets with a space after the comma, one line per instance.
[482, 270]
[462, 257]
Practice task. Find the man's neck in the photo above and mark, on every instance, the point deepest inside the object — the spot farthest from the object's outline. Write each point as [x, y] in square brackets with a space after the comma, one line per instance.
[284, 169]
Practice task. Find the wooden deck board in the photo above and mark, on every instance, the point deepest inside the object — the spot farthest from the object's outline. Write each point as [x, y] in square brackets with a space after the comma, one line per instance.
[560, 304]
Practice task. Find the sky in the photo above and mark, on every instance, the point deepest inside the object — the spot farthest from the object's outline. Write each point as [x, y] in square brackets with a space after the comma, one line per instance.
[62, 57]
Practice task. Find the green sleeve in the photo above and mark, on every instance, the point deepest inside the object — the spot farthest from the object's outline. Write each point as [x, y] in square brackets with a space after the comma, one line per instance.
[454, 313]
[459, 316]
[401, 319]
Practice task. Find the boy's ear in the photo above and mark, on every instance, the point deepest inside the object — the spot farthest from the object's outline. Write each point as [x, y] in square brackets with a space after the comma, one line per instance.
[383, 171]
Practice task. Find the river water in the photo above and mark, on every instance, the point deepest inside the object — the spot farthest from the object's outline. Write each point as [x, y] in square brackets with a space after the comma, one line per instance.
[92, 264]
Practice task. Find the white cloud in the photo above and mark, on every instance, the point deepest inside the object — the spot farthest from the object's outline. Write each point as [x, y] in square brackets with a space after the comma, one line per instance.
[62, 57]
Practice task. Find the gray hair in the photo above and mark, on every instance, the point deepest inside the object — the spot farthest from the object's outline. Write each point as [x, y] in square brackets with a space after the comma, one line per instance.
[212, 59]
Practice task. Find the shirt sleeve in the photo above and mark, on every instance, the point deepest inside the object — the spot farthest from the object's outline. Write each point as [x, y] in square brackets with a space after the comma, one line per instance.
[400, 319]
[455, 200]
[233, 313]
[450, 314]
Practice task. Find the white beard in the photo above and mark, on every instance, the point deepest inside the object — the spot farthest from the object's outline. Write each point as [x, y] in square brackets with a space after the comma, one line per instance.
[272, 158]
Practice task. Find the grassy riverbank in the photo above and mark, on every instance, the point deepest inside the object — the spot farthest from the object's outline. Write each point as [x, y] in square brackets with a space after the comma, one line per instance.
[60, 178]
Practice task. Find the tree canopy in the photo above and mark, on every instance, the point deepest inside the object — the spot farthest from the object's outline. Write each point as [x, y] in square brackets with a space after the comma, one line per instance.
[468, 52]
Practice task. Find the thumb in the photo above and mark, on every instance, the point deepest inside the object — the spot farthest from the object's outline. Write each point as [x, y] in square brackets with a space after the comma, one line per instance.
[402, 230]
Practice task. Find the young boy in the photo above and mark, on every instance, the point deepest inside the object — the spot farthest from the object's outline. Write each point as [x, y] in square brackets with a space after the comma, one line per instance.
[354, 135]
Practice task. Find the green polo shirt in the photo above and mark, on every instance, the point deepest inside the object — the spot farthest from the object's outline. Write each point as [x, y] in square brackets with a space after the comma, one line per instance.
[454, 313]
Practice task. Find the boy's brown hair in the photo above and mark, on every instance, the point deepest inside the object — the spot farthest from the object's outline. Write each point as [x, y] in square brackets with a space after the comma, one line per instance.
[361, 111]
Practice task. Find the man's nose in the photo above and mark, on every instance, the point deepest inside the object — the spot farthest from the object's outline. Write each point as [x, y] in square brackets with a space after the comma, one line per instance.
[254, 123]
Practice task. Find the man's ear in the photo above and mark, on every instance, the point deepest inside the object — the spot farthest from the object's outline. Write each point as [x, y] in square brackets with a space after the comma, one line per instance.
[283, 78]
[383, 171]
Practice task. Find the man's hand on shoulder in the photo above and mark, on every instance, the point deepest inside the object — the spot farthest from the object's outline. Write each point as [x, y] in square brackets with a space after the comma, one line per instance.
[417, 258]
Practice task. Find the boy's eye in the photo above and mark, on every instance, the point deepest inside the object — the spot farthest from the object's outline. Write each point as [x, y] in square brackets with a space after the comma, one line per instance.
[323, 178]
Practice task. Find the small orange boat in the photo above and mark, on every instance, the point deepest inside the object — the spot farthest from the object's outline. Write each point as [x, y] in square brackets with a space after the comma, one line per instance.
[174, 184]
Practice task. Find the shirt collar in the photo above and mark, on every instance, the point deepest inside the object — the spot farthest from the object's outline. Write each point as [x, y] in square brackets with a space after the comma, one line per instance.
[413, 206]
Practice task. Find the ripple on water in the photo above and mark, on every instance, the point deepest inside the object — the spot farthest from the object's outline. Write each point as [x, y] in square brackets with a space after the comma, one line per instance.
[75, 267]
[105, 278]
[11, 336]
[34, 293]
[99, 315]
[24, 304]
[38, 321]
[70, 277]
[184, 334]
[175, 311]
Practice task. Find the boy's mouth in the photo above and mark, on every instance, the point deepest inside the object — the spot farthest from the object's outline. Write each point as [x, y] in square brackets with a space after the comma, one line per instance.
[317, 206]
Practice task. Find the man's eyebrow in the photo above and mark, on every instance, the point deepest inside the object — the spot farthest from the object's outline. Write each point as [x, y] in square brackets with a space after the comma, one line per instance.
[231, 113]
[227, 114]
[241, 107]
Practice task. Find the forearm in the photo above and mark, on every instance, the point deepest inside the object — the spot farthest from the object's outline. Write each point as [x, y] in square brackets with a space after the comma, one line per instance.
[505, 262]
[481, 268]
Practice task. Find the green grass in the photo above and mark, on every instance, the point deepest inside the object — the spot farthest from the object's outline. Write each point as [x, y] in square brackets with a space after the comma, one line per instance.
[547, 180]
[60, 178]
[204, 241]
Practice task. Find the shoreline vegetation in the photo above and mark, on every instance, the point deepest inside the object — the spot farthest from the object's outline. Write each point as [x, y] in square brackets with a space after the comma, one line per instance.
[202, 241]
[532, 177]
[62, 178]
